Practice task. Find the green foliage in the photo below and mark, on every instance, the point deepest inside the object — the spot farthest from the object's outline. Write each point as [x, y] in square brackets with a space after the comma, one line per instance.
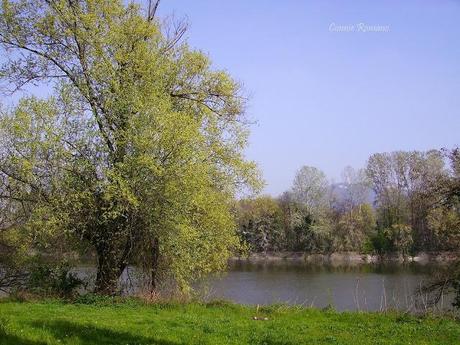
[311, 225]
[308, 218]
[138, 153]
[368, 246]
[52, 280]
[260, 223]
[400, 237]
[312, 235]
[103, 300]
[309, 189]
[416, 207]
[407, 187]
[354, 227]
[445, 222]
[380, 243]
[395, 239]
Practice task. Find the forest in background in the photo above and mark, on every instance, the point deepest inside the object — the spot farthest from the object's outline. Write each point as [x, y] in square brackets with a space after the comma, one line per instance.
[402, 202]
[137, 157]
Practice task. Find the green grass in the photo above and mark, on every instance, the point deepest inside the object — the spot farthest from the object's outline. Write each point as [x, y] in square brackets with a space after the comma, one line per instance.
[36, 323]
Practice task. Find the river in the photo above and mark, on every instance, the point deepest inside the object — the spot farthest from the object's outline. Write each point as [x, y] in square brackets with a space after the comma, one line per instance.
[366, 287]
[370, 287]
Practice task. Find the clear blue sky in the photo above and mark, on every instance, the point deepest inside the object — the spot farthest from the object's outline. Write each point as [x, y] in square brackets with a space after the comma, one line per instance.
[330, 99]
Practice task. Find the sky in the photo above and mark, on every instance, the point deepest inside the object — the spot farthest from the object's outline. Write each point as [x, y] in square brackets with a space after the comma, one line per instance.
[328, 98]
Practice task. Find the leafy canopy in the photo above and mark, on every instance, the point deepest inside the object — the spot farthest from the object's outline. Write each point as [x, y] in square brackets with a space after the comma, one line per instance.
[138, 152]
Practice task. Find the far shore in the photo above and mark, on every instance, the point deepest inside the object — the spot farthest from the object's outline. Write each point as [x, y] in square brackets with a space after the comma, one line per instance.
[349, 258]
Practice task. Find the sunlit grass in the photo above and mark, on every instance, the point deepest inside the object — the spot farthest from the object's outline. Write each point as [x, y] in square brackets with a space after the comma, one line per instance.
[35, 323]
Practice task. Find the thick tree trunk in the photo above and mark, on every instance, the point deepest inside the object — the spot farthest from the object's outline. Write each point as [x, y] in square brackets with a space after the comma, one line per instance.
[109, 271]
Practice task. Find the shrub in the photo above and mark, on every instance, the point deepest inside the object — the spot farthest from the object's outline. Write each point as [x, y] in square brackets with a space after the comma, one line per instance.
[48, 279]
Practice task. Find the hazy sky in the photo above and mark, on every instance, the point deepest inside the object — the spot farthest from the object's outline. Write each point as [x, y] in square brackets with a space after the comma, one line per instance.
[330, 99]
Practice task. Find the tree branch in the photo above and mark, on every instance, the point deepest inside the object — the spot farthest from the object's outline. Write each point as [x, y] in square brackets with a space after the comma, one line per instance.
[153, 6]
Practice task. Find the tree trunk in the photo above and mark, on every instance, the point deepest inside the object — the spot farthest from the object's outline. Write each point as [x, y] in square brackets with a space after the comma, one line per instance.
[109, 271]
[154, 268]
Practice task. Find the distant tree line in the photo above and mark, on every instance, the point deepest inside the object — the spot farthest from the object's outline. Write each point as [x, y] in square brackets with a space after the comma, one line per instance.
[401, 202]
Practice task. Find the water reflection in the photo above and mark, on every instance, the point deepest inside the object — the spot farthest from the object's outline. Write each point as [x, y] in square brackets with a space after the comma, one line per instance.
[361, 287]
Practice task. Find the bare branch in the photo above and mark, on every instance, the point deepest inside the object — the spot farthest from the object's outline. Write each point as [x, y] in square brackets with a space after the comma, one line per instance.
[153, 6]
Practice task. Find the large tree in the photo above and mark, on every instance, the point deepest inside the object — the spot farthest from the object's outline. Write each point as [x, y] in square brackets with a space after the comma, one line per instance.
[139, 150]
[310, 188]
[311, 191]
[404, 186]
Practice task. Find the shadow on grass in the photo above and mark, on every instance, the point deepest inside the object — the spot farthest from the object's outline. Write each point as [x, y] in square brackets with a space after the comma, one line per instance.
[89, 334]
[7, 339]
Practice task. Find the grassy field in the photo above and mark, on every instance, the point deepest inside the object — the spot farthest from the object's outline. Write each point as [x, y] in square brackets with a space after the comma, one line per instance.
[36, 323]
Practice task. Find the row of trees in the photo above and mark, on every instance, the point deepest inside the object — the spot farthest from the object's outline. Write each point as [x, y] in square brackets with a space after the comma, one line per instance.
[402, 202]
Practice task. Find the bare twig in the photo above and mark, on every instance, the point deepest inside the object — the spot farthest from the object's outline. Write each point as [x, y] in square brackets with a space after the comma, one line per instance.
[153, 6]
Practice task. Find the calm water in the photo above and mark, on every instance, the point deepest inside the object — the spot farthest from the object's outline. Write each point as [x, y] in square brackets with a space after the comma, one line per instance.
[366, 287]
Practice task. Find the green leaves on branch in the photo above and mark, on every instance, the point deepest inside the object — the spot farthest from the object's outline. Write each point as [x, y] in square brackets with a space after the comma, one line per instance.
[139, 151]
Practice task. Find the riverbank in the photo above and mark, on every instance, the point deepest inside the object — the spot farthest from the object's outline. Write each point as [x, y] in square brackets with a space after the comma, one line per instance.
[37, 323]
[349, 258]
